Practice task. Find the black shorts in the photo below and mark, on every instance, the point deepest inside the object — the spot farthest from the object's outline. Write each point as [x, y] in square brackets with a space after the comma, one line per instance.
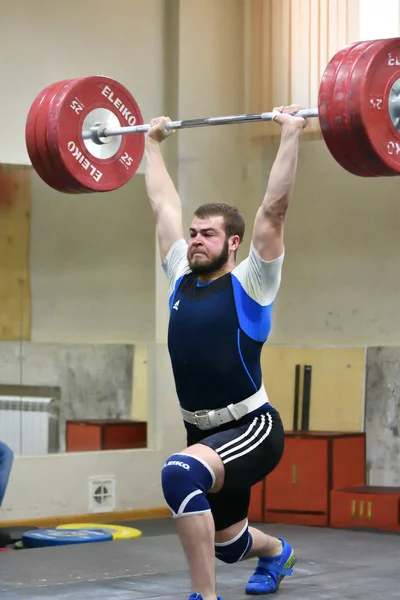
[250, 449]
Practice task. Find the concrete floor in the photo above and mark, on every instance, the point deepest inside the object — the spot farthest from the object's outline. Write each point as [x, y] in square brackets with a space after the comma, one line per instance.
[331, 564]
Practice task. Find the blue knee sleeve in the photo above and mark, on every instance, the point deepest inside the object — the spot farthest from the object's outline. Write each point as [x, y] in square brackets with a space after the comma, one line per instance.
[235, 550]
[6, 461]
[185, 480]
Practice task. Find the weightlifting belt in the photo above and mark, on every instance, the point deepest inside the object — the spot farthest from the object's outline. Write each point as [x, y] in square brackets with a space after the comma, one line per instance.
[209, 419]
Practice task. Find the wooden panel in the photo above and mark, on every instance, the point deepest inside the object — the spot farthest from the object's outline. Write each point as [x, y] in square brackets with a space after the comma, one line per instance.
[15, 294]
[375, 508]
[295, 40]
[348, 463]
[300, 481]
[307, 519]
[281, 22]
[297, 491]
[121, 437]
[337, 385]
[82, 439]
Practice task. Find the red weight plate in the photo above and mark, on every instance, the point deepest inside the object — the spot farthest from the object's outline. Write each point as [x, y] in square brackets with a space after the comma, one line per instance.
[31, 146]
[339, 116]
[92, 100]
[326, 109]
[376, 73]
[348, 134]
[68, 183]
[345, 135]
[358, 139]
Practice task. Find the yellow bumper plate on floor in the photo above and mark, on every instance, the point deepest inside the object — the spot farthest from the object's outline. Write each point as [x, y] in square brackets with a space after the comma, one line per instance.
[119, 532]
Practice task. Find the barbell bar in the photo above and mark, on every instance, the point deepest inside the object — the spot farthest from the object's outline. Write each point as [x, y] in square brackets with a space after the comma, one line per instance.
[98, 132]
[78, 131]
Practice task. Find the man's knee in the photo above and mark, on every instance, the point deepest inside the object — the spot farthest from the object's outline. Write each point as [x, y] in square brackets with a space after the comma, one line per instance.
[185, 480]
[235, 549]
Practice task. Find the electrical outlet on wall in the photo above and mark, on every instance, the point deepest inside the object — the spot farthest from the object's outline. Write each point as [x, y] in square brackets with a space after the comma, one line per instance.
[102, 494]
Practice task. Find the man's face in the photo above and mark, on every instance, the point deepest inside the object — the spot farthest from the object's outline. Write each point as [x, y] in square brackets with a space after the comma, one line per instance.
[209, 248]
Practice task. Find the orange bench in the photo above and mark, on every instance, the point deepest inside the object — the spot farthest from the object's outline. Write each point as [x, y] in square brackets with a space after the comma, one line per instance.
[366, 507]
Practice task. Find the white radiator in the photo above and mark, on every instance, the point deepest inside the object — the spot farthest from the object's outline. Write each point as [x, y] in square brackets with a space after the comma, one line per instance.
[29, 425]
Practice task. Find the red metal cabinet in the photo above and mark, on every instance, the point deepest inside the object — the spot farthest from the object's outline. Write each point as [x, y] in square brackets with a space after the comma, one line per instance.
[105, 434]
[313, 463]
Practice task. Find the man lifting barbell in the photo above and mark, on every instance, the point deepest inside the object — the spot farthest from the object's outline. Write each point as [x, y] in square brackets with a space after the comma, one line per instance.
[220, 318]
[78, 139]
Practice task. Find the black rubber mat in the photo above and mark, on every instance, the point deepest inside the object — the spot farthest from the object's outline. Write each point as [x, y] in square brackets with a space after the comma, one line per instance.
[332, 565]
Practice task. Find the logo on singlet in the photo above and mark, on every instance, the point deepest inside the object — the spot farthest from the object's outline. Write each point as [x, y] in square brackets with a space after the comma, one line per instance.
[176, 305]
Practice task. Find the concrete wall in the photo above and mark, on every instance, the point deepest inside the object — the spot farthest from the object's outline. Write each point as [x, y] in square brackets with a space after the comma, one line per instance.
[383, 415]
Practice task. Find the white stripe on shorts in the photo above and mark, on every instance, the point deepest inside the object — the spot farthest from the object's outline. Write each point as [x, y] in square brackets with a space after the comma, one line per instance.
[258, 430]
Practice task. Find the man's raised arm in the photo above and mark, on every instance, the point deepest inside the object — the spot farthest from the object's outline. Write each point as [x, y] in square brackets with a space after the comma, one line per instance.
[269, 222]
[163, 197]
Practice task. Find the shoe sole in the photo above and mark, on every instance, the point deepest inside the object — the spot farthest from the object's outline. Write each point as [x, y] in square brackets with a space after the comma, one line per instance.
[289, 564]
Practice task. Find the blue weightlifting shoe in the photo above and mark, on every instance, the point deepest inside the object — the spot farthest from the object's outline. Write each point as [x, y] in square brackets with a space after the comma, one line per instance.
[197, 596]
[270, 571]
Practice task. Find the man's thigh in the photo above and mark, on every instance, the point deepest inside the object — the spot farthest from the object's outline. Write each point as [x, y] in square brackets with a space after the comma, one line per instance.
[250, 451]
[229, 506]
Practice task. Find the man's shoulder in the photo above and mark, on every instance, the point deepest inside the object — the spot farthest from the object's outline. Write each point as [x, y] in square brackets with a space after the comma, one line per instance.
[257, 278]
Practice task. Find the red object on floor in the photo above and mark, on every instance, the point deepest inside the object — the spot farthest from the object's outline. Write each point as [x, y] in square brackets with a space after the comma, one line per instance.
[313, 463]
[6, 549]
[366, 507]
[105, 434]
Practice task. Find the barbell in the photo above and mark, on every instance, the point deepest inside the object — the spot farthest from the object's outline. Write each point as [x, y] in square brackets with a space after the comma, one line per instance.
[79, 132]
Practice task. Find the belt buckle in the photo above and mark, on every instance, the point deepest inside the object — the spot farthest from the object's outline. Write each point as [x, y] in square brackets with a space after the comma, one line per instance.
[201, 419]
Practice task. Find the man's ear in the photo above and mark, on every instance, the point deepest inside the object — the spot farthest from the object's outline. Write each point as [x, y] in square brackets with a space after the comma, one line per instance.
[235, 241]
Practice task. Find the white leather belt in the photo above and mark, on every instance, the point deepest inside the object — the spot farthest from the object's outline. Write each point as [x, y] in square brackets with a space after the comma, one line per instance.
[209, 419]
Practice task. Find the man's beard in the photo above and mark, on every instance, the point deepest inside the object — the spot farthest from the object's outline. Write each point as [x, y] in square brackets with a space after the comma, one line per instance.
[206, 268]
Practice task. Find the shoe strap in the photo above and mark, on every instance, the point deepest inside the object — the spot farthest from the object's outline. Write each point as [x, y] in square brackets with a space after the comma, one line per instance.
[274, 568]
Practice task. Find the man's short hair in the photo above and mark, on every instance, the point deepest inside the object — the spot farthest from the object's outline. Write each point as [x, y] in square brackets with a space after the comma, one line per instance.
[233, 220]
